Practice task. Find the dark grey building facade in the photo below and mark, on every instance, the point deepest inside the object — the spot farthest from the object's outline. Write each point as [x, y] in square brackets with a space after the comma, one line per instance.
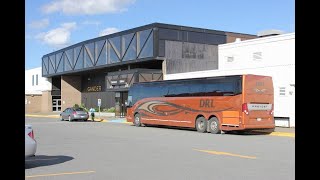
[105, 67]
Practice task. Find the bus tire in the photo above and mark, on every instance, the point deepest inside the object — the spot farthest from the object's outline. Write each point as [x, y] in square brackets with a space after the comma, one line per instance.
[201, 124]
[137, 120]
[213, 125]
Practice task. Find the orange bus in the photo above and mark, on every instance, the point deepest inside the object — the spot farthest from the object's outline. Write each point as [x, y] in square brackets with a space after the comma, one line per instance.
[212, 104]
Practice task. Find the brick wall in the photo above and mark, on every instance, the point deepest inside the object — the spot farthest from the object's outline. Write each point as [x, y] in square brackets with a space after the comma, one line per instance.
[70, 91]
[32, 103]
[46, 101]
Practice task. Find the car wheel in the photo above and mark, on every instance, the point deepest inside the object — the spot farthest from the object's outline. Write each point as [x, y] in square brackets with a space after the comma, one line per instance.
[61, 118]
[137, 120]
[201, 124]
[69, 119]
[213, 125]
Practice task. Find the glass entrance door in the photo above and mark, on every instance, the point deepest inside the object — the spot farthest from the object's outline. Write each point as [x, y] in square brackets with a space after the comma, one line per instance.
[121, 109]
[56, 105]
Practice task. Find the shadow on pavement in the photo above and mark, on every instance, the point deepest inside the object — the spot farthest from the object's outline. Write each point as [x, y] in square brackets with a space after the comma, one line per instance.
[42, 160]
[243, 133]
[248, 133]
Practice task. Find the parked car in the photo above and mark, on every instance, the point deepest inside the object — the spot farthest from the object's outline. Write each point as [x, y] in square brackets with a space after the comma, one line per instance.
[30, 142]
[72, 114]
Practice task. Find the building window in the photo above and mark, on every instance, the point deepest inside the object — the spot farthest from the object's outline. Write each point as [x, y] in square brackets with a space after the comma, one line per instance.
[230, 59]
[32, 80]
[257, 56]
[282, 91]
[37, 80]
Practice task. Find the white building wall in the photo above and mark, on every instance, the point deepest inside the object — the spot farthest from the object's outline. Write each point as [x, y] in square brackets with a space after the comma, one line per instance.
[277, 60]
[44, 84]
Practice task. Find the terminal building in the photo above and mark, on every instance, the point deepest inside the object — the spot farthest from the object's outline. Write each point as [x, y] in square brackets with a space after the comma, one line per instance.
[105, 67]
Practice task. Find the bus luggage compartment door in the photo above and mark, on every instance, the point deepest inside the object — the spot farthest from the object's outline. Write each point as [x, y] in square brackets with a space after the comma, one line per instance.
[230, 118]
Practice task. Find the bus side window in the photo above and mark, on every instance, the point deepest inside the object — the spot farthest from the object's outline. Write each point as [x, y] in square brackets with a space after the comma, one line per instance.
[128, 103]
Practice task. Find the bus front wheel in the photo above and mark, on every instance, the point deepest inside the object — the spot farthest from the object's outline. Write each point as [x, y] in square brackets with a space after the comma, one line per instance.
[201, 124]
[213, 125]
[137, 120]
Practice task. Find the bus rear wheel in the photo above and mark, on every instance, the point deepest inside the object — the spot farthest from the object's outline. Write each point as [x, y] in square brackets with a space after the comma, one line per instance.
[201, 124]
[213, 125]
[137, 120]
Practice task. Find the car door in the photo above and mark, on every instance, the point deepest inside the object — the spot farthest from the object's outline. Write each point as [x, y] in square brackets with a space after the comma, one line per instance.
[65, 113]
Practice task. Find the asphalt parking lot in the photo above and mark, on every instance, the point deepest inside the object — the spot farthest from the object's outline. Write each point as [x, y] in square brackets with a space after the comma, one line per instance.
[93, 150]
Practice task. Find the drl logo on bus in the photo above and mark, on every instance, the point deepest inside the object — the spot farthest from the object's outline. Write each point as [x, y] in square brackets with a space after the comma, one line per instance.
[206, 103]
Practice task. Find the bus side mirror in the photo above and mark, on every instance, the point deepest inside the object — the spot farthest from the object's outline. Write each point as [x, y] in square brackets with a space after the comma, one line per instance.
[126, 103]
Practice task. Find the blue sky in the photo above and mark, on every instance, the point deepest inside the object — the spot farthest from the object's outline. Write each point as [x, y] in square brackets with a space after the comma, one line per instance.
[53, 24]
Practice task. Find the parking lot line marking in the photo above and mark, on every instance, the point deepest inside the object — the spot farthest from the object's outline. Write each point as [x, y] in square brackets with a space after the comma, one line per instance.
[282, 134]
[59, 174]
[226, 153]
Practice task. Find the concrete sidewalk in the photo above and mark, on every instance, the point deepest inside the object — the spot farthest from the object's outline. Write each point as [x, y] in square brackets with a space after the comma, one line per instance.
[98, 118]
[285, 129]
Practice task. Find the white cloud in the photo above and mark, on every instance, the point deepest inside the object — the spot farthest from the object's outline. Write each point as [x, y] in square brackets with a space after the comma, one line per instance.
[108, 31]
[88, 22]
[39, 24]
[88, 7]
[58, 37]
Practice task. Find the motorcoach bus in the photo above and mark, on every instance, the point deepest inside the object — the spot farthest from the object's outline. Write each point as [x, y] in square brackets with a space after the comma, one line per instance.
[212, 104]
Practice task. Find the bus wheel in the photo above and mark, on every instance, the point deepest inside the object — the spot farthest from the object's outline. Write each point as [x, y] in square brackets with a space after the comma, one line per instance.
[213, 124]
[137, 121]
[201, 124]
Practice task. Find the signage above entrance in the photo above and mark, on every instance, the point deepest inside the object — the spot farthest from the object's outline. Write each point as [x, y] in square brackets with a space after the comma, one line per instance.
[94, 89]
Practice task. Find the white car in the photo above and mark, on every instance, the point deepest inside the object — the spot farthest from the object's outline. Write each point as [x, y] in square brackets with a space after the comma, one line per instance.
[30, 142]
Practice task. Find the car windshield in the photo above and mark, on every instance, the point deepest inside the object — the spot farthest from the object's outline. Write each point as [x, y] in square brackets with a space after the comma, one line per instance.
[79, 109]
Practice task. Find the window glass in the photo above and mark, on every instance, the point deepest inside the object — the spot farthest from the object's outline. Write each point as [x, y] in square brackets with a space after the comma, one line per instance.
[143, 35]
[257, 56]
[90, 51]
[202, 87]
[59, 60]
[67, 66]
[113, 56]
[32, 80]
[115, 43]
[130, 101]
[79, 63]
[126, 40]
[147, 90]
[100, 53]
[282, 91]
[36, 79]
[87, 58]
[131, 51]
[102, 59]
[70, 56]
[147, 49]
[169, 34]
[51, 64]
[186, 89]
[45, 66]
